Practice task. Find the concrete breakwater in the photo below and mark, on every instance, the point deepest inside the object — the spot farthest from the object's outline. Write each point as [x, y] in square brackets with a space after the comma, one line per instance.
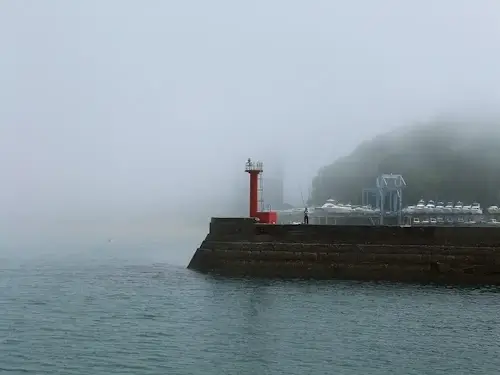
[455, 255]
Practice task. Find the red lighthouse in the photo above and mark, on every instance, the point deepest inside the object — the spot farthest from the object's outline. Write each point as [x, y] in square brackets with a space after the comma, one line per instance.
[255, 169]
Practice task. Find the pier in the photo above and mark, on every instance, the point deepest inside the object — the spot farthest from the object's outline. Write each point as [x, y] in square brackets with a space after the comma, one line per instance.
[356, 246]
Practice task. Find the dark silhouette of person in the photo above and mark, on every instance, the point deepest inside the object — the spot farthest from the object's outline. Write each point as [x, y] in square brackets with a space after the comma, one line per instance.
[306, 216]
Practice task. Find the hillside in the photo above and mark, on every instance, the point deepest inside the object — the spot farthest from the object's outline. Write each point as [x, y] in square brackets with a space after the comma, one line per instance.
[444, 161]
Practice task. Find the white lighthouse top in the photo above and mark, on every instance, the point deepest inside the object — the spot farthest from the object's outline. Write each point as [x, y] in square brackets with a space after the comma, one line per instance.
[251, 166]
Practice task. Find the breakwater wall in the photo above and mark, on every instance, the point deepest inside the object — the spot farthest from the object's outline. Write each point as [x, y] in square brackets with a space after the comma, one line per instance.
[456, 255]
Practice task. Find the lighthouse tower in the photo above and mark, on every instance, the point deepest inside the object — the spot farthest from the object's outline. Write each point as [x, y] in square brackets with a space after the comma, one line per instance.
[255, 169]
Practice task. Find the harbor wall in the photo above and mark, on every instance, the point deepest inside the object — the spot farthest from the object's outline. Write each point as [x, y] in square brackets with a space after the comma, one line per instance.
[242, 247]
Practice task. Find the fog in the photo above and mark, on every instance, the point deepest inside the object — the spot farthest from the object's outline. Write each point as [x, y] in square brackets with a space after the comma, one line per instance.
[132, 120]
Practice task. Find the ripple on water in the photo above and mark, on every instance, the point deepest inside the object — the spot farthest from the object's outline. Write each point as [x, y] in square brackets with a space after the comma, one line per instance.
[156, 319]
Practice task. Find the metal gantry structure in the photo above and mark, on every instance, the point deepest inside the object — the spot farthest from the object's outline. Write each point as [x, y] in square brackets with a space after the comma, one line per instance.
[388, 191]
[391, 186]
[369, 195]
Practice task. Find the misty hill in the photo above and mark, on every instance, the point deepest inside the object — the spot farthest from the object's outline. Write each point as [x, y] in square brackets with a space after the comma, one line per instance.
[446, 161]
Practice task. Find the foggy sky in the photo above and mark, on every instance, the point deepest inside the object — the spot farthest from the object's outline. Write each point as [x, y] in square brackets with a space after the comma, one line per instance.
[129, 106]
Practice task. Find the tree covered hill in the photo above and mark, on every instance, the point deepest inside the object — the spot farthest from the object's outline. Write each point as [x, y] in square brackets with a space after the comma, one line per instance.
[446, 161]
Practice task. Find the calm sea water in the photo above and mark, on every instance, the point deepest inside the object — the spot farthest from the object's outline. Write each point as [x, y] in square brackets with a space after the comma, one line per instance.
[97, 316]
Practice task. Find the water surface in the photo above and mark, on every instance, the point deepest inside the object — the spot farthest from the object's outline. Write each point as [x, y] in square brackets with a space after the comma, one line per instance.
[112, 316]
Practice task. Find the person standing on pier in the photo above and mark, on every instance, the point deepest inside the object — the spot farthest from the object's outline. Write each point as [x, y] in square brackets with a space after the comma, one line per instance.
[306, 216]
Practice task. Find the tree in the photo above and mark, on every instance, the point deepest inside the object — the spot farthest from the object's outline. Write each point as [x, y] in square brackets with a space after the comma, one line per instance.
[448, 161]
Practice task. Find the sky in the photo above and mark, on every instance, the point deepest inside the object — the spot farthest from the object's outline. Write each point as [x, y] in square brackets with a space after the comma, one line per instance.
[123, 109]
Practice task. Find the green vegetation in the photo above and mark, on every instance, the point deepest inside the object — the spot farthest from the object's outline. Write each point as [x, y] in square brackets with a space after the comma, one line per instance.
[442, 161]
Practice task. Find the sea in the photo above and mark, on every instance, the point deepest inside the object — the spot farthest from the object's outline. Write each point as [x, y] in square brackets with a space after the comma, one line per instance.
[101, 312]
